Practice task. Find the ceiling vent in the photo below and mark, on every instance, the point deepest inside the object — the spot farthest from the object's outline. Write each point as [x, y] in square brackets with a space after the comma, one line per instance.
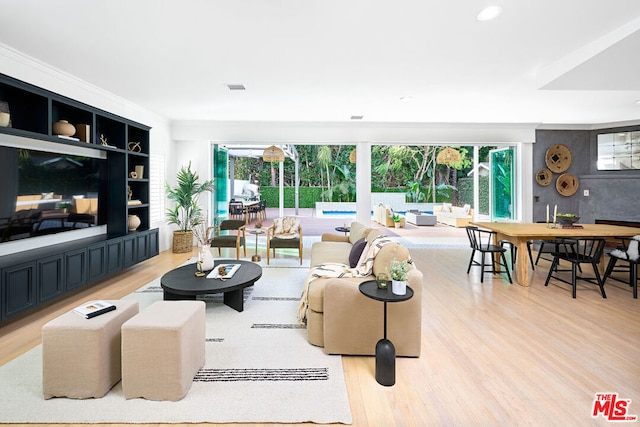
[236, 87]
[357, 117]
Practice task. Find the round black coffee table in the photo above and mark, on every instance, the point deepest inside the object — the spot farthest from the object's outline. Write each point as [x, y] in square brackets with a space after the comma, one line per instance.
[385, 350]
[183, 284]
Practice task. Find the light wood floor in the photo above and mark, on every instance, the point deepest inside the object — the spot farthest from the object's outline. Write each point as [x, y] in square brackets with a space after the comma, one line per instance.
[493, 354]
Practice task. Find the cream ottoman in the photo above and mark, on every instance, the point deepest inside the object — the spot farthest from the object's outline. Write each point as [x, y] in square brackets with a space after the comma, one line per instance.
[162, 350]
[81, 357]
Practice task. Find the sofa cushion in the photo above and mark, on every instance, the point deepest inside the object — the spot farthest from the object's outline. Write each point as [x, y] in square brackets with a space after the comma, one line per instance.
[388, 253]
[287, 227]
[358, 231]
[356, 252]
[323, 252]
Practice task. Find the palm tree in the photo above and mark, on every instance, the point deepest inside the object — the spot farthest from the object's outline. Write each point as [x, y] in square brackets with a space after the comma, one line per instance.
[324, 158]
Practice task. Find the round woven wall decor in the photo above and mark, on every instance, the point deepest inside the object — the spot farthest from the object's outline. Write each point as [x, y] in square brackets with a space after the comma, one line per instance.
[558, 158]
[567, 184]
[544, 177]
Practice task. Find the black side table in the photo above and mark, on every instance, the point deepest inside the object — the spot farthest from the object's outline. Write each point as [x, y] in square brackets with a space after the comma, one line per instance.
[344, 230]
[385, 351]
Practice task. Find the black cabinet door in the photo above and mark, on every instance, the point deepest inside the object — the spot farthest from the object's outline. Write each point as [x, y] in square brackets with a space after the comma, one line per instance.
[18, 289]
[130, 256]
[50, 277]
[154, 243]
[114, 256]
[96, 262]
[75, 268]
[142, 247]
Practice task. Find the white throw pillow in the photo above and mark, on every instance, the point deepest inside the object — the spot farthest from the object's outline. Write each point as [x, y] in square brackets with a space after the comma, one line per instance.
[466, 209]
[446, 207]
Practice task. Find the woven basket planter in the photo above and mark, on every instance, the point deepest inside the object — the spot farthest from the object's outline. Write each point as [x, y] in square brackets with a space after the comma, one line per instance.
[182, 242]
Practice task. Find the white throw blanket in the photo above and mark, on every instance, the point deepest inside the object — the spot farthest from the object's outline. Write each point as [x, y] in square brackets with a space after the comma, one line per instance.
[362, 269]
[632, 250]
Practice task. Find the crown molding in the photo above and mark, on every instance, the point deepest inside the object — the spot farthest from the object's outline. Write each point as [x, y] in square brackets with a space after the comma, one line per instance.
[38, 73]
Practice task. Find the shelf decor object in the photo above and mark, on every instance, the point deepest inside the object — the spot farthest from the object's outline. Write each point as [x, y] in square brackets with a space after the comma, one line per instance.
[139, 171]
[134, 146]
[567, 184]
[558, 158]
[5, 115]
[544, 177]
[83, 132]
[64, 128]
[133, 222]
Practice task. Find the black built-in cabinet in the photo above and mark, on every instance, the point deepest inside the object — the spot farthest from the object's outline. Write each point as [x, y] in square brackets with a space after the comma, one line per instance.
[31, 278]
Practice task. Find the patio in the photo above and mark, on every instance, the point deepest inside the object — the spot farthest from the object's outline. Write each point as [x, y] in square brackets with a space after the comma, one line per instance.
[413, 236]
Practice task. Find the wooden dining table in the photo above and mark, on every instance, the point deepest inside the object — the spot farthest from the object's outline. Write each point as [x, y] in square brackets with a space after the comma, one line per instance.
[520, 233]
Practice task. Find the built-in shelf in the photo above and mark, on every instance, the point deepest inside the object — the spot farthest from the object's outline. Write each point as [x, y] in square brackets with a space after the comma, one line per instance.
[32, 277]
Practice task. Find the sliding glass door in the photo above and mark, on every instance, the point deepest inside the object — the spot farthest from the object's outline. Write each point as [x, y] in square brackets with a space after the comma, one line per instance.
[502, 184]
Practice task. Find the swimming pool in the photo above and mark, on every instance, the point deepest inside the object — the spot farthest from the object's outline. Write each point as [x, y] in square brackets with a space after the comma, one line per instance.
[337, 214]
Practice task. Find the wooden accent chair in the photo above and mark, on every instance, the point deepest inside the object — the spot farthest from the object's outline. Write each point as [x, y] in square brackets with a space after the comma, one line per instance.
[229, 240]
[286, 232]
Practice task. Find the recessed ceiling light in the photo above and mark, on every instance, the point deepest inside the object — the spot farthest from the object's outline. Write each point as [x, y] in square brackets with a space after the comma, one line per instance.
[406, 98]
[357, 117]
[236, 87]
[638, 102]
[489, 13]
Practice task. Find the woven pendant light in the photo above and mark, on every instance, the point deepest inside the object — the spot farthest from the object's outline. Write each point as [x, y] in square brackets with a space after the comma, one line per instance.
[448, 156]
[352, 156]
[273, 154]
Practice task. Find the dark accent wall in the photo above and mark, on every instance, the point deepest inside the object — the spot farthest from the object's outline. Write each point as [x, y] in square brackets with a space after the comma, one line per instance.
[613, 195]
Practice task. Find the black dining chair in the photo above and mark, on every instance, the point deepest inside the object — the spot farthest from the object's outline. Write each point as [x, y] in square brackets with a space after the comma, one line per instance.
[482, 241]
[631, 267]
[236, 210]
[578, 251]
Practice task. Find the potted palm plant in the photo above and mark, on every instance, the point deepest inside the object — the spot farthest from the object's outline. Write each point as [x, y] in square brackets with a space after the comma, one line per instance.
[186, 213]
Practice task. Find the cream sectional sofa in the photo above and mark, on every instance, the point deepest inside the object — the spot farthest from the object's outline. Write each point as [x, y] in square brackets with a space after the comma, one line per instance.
[382, 215]
[455, 217]
[344, 321]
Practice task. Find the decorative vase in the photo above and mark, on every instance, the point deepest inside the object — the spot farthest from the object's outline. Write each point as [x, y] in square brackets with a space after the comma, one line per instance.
[133, 222]
[205, 259]
[399, 287]
[64, 128]
[396, 224]
[5, 119]
[139, 171]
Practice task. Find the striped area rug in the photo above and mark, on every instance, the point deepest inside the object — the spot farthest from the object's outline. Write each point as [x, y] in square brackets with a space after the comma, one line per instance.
[256, 360]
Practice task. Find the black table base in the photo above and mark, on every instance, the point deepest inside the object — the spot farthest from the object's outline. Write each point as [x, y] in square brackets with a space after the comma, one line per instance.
[385, 363]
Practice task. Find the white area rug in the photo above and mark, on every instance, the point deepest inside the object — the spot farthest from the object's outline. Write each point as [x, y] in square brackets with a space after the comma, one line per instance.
[259, 369]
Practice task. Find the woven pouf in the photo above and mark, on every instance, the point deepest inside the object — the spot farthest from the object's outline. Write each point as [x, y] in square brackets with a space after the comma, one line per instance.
[81, 357]
[162, 350]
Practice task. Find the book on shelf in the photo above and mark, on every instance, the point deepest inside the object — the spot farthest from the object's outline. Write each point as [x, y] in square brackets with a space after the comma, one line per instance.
[70, 138]
[229, 271]
[133, 202]
[94, 308]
